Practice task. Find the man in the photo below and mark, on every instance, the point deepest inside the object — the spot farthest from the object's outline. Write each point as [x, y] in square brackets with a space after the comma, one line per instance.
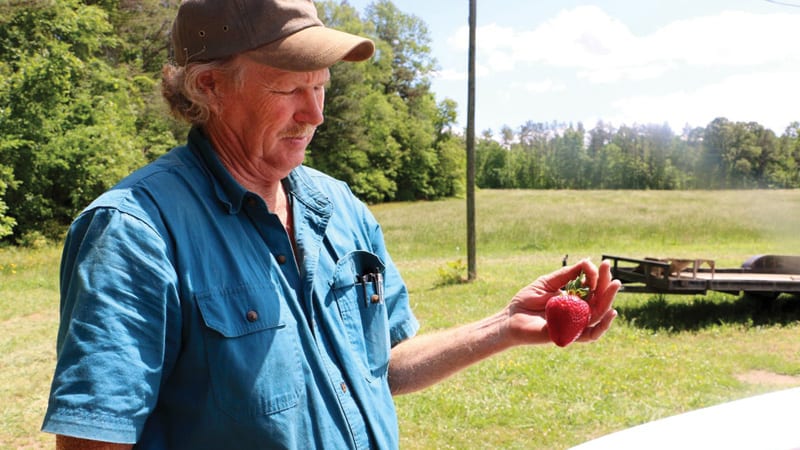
[226, 296]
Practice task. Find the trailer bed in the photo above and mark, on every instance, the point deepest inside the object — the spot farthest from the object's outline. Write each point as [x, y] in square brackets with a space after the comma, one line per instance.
[764, 275]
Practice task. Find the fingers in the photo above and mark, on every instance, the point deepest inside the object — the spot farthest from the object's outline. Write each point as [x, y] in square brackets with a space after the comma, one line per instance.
[602, 301]
[591, 272]
[593, 333]
[604, 274]
[558, 279]
[603, 296]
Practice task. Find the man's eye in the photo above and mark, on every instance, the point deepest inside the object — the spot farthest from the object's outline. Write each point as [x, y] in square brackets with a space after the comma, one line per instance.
[297, 90]
[279, 91]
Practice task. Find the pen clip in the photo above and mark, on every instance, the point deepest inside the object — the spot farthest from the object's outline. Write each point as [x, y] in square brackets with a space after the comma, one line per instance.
[377, 282]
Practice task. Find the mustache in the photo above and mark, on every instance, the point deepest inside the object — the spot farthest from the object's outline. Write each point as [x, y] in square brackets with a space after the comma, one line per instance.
[299, 131]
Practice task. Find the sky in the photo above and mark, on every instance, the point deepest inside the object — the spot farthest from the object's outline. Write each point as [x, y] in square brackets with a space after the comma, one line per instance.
[625, 62]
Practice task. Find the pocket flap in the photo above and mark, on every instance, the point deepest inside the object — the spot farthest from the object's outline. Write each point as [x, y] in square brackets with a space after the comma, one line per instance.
[234, 312]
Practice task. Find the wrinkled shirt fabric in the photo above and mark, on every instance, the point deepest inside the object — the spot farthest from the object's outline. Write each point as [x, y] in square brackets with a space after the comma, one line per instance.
[190, 321]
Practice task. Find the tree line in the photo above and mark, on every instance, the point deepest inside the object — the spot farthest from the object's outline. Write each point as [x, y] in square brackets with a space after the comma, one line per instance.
[722, 155]
[80, 108]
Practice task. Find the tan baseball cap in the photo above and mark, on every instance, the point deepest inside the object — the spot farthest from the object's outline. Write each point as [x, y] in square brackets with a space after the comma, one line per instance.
[285, 34]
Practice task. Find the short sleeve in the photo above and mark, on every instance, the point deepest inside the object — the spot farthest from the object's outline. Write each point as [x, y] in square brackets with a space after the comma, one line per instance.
[119, 320]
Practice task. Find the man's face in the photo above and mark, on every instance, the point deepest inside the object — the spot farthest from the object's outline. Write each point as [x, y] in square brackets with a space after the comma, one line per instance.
[272, 114]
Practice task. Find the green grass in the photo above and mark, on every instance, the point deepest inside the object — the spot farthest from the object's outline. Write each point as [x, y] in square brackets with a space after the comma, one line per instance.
[664, 355]
[28, 322]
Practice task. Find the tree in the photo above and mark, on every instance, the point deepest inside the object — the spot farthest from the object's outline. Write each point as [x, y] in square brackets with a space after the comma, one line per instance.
[569, 160]
[6, 223]
[410, 56]
[69, 119]
[384, 133]
[610, 167]
[449, 178]
[490, 163]
[145, 24]
[143, 50]
[784, 171]
[405, 38]
[356, 143]
[739, 154]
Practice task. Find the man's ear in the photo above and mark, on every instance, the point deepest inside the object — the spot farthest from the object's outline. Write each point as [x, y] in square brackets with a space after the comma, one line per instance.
[209, 84]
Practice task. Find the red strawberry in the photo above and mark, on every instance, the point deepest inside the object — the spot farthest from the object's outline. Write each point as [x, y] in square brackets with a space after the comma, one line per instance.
[567, 313]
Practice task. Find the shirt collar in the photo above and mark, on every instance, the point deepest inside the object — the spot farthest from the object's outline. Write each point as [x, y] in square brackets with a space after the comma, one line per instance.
[300, 186]
[228, 190]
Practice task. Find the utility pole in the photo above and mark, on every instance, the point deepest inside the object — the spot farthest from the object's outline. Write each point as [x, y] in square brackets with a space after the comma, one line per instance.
[472, 271]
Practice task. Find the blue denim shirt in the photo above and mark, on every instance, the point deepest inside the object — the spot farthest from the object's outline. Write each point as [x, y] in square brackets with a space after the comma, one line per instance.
[187, 323]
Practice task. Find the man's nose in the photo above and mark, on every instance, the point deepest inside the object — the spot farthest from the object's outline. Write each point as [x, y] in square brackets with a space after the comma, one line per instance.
[310, 108]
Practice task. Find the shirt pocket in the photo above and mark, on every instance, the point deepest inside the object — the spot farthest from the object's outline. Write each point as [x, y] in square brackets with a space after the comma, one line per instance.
[252, 350]
[357, 286]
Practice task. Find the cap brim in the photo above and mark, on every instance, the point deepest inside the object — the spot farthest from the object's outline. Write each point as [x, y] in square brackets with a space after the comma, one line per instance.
[313, 48]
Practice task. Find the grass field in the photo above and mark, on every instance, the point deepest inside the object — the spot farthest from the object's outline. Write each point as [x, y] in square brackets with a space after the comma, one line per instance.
[664, 355]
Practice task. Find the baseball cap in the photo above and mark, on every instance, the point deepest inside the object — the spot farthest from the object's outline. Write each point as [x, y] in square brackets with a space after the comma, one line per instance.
[284, 34]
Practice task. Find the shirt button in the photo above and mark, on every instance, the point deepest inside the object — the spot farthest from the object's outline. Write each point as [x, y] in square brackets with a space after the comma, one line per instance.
[281, 259]
[251, 201]
[252, 316]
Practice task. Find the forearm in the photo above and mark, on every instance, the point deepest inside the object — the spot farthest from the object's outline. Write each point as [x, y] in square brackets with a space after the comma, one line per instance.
[71, 443]
[426, 359]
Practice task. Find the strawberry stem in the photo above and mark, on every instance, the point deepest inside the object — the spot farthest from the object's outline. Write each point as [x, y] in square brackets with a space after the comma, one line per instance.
[576, 287]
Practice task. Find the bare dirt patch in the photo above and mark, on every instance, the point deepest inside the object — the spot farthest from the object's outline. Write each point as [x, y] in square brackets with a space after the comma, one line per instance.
[767, 377]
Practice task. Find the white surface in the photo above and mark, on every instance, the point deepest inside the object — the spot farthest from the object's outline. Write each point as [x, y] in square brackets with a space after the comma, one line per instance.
[763, 422]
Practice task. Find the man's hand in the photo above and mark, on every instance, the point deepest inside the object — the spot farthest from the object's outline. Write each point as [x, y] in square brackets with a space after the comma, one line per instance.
[526, 310]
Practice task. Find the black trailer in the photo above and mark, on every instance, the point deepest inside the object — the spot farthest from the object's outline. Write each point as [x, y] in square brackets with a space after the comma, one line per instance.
[764, 275]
